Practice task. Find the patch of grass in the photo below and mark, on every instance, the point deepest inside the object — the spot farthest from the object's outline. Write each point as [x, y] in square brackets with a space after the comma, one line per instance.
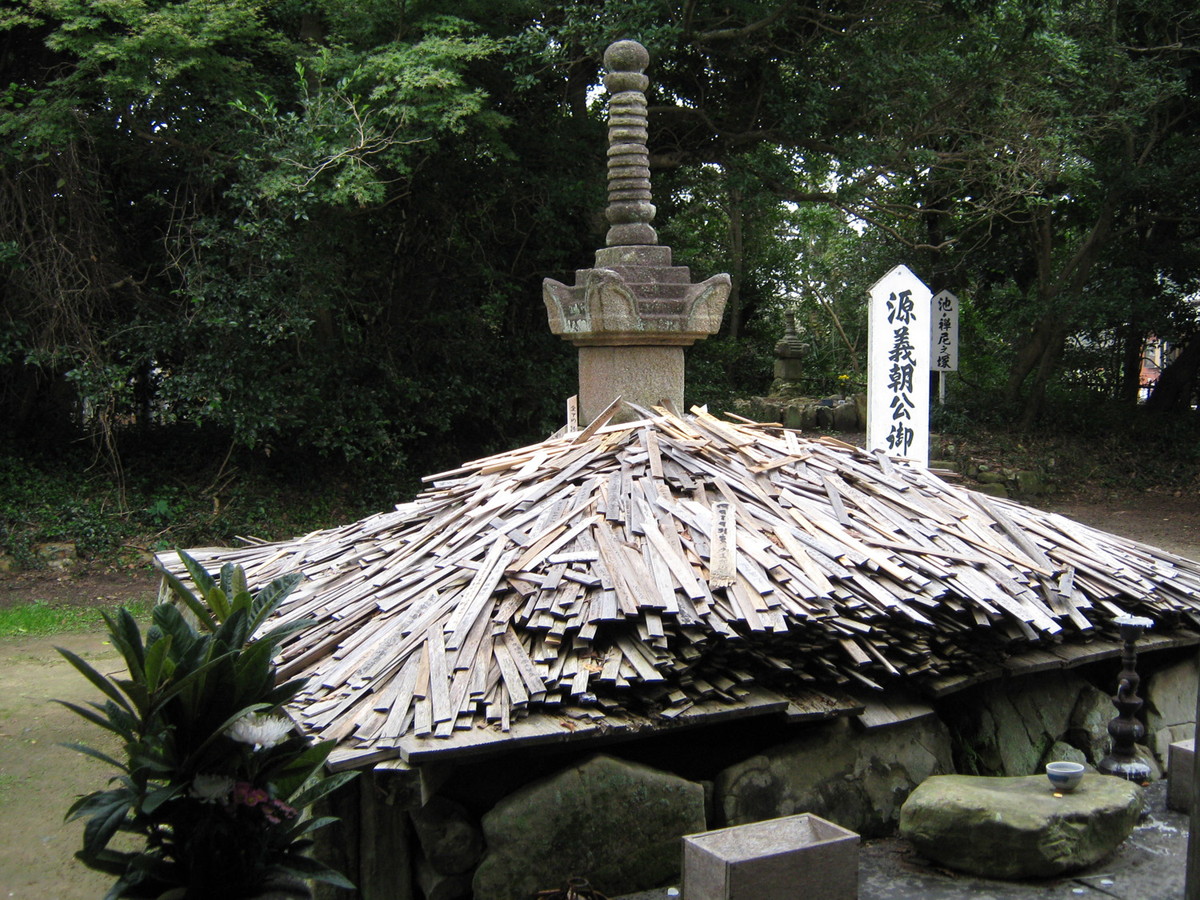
[8, 782]
[41, 618]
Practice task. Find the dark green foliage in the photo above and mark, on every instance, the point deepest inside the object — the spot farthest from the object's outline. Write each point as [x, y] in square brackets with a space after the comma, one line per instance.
[211, 778]
[178, 487]
[315, 226]
[324, 225]
[36, 506]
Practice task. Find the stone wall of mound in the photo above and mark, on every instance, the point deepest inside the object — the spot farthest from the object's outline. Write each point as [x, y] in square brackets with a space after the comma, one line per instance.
[503, 828]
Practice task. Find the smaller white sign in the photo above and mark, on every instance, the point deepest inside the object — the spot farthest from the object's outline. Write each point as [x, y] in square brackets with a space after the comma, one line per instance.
[943, 343]
[722, 560]
[897, 363]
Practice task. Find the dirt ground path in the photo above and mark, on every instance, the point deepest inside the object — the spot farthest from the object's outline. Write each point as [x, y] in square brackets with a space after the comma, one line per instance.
[39, 779]
[1160, 519]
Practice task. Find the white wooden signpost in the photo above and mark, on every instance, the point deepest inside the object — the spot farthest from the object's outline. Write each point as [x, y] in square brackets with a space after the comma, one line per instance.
[943, 341]
[573, 413]
[897, 363]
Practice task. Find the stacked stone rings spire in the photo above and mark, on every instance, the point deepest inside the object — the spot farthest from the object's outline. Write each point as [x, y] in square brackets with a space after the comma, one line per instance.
[629, 211]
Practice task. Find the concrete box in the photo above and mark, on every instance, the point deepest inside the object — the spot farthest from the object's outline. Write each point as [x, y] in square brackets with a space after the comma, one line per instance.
[1180, 759]
[779, 859]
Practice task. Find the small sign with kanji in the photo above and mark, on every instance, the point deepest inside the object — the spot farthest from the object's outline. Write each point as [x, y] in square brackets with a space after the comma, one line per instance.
[943, 322]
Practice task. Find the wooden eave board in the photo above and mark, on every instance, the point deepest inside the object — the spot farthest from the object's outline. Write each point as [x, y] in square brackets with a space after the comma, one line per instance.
[891, 707]
[817, 705]
[1061, 656]
[563, 728]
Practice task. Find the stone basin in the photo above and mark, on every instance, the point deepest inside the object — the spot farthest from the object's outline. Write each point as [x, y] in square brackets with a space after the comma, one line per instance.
[1018, 827]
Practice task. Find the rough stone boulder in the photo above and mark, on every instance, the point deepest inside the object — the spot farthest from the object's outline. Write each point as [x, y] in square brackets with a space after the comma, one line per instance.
[1171, 706]
[856, 779]
[449, 839]
[1017, 827]
[615, 823]
[1088, 728]
[1008, 727]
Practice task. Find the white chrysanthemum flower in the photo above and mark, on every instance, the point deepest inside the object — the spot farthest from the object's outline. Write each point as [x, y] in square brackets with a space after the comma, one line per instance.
[211, 788]
[263, 732]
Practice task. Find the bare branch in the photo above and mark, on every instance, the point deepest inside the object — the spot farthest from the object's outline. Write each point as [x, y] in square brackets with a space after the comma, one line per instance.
[735, 34]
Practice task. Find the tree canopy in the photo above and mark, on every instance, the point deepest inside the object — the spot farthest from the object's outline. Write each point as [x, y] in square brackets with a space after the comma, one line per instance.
[324, 224]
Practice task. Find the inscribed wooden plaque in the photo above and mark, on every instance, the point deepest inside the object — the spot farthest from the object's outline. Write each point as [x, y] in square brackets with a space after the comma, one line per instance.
[897, 363]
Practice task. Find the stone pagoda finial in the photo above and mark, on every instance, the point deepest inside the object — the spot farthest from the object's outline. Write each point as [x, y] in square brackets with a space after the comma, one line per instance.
[633, 313]
[629, 211]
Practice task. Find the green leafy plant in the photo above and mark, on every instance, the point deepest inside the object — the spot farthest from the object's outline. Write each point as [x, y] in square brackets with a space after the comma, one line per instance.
[214, 778]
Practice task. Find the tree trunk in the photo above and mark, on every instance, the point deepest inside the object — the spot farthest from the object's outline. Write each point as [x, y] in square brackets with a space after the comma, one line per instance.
[1031, 354]
[737, 259]
[1132, 344]
[1057, 288]
[581, 75]
[1052, 351]
[1178, 381]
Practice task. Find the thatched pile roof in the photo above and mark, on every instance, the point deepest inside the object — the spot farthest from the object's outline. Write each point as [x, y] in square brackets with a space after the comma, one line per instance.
[657, 570]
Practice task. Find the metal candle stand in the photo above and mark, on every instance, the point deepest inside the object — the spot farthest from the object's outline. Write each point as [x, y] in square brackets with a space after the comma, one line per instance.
[1126, 729]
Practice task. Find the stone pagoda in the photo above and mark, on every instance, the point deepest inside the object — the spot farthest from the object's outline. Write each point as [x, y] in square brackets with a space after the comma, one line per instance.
[633, 313]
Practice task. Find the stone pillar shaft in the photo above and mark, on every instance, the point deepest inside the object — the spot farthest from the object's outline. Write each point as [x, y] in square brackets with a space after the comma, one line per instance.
[646, 375]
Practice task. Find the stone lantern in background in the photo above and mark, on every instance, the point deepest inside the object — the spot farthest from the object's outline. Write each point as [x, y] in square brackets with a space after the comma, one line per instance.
[790, 352]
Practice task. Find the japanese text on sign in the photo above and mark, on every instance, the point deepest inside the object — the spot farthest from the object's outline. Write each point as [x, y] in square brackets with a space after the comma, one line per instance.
[943, 352]
[898, 358]
[722, 568]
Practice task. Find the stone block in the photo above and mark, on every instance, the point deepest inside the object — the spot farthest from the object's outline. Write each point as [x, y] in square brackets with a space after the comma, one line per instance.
[436, 886]
[845, 418]
[1061, 751]
[794, 856]
[793, 417]
[646, 375]
[615, 823]
[56, 554]
[1088, 727]
[1170, 695]
[854, 778]
[1029, 483]
[1181, 757]
[758, 409]
[450, 841]
[1007, 727]
[1019, 827]
[790, 369]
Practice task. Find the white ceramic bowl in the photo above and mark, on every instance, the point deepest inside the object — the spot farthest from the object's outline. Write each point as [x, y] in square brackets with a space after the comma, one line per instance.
[1064, 776]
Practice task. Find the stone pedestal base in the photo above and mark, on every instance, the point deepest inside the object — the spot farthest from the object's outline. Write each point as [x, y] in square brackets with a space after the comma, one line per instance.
[643, 375]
